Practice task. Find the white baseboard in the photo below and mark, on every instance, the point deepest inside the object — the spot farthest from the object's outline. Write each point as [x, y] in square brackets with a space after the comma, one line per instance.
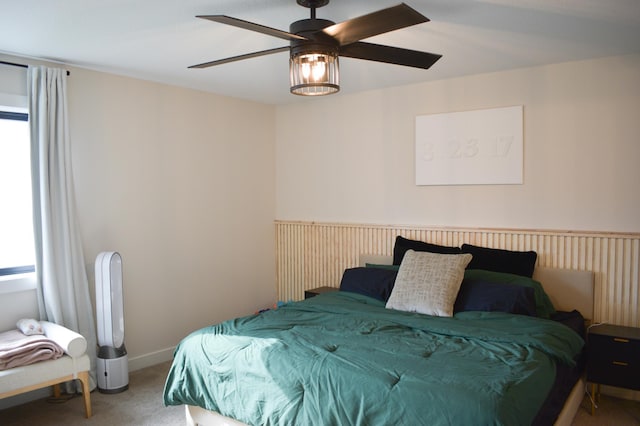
[150, 359]
[620, 393]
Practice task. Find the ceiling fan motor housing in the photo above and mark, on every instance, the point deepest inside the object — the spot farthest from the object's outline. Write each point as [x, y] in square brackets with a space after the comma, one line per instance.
[316, 39]
[312, 4]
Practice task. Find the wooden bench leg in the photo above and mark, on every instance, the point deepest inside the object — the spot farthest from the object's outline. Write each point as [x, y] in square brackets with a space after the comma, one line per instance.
[56, 390]
[86, 393]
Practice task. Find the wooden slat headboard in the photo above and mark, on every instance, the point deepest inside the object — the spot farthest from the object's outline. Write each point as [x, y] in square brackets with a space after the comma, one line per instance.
[312, 254]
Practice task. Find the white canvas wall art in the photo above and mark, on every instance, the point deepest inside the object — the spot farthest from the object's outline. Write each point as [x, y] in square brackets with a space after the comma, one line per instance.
[480, 147]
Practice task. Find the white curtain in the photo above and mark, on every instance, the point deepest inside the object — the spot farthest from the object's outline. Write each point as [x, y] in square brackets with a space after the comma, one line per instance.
[63, 287]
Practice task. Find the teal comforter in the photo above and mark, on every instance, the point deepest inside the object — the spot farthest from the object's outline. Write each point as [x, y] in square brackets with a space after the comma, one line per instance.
[343, 359]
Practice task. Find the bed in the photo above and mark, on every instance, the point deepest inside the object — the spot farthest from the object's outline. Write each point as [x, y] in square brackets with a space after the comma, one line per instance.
[356, 356]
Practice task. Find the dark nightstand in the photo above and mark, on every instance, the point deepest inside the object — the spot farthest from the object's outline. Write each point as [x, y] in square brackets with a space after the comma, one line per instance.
[318, 290]
[613, 358]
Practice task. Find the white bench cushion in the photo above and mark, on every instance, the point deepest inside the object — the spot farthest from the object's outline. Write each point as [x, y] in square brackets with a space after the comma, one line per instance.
[44, 371]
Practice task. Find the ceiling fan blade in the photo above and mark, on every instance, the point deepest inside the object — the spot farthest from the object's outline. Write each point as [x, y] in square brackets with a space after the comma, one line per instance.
[251, 26]
[389, 55]
[240, 57]
[382, 21]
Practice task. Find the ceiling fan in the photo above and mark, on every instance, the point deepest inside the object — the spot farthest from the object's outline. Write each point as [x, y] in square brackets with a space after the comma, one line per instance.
[315, 44]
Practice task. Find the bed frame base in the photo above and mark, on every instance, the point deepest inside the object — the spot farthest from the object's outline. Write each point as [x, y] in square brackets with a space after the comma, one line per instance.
[197, 416]
[572, 404]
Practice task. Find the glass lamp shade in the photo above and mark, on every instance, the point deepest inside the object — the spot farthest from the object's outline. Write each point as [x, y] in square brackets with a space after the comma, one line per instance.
[314, 73]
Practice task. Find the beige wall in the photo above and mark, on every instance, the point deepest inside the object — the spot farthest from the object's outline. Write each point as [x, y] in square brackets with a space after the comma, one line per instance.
[351, 158]
[181, 184]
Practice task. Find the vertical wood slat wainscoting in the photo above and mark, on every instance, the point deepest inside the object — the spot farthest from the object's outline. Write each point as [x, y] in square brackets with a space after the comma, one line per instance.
[310, 254]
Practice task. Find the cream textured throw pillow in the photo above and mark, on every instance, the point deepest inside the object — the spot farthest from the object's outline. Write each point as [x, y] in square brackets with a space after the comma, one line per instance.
[428, 283]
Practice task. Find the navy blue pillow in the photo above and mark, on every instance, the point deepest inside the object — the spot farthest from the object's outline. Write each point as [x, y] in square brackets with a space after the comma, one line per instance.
[574, 320]
[372, 282]
[479, 295]
[381, 266]
[403, 244]
[498, 260]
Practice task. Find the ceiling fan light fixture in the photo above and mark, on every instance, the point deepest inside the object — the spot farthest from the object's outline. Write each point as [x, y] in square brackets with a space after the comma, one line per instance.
[314, 73]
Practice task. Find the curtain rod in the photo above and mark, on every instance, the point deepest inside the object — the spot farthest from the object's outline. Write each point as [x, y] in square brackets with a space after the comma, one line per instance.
[13, 64]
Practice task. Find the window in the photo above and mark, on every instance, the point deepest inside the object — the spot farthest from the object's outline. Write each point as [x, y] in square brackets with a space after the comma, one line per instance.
[17, 253]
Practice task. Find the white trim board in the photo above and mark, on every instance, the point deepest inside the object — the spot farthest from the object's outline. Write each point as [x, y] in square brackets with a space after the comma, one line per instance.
[150, 359]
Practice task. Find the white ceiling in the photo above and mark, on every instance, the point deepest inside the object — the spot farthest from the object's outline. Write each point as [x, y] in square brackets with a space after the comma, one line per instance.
[157, 39]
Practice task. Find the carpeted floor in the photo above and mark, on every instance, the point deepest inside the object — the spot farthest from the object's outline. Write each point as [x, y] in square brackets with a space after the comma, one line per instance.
[142, 404]
[610, 412]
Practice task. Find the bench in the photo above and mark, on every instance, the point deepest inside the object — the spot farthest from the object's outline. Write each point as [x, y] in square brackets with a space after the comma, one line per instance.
[74, 364]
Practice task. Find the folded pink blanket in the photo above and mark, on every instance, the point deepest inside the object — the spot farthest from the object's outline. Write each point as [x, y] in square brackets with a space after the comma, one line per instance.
[16, 349]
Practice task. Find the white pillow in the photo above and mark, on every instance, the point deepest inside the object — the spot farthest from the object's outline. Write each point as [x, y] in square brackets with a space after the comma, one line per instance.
[428, 283]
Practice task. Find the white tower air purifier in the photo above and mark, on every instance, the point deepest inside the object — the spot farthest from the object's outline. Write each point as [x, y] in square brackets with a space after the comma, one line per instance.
[112, 363]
